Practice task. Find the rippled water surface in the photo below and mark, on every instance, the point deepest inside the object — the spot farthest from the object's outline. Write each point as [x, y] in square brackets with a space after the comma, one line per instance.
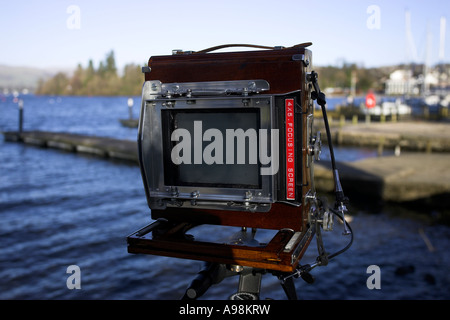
[59, 209]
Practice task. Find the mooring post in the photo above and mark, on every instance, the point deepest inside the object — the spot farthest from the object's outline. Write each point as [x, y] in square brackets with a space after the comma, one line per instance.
[341, 121]
[380, 146]
[444, 112]
[394, 117]
[130, 107]
[20, 103]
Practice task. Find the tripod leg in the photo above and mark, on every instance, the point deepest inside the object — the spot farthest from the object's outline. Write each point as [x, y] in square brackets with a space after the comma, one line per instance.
[289, 288]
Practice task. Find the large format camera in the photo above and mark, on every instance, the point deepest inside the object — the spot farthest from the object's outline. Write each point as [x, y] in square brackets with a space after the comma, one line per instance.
[227, 139]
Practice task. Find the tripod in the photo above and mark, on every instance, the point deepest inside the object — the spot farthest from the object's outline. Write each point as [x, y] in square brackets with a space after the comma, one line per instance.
[249, 281]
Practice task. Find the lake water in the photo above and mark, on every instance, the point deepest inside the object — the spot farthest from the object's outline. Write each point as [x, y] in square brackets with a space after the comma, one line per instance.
[59, 209]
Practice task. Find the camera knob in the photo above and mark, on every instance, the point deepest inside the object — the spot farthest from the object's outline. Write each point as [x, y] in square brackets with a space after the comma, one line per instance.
[315, 146]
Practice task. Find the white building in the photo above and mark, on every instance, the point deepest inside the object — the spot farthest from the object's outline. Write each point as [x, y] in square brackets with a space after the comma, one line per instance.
[402, 82]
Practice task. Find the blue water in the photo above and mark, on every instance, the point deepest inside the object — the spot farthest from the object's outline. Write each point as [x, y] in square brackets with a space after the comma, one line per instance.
[59, 209]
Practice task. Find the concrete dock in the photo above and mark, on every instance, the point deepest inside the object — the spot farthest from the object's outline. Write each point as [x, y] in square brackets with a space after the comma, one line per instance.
[423, 173]
[412, 135]
[99, 146]
[409, 177]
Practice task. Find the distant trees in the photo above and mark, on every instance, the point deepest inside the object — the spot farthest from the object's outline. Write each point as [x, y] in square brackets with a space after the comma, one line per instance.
[103, 81]
[341, 77]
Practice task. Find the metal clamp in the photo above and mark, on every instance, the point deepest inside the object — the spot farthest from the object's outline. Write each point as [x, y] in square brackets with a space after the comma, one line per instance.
[207, 88]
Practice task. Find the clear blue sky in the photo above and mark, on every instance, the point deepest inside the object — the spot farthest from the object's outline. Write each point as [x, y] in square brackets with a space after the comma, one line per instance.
[36, 33]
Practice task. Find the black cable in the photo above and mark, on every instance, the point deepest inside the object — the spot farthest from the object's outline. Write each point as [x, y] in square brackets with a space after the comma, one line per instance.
[303, 271]
[321, 100]
[340, 198]
[351, 233]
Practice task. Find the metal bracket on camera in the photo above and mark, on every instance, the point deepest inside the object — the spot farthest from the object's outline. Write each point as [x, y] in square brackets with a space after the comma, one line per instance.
[208, 88]
[320, 217]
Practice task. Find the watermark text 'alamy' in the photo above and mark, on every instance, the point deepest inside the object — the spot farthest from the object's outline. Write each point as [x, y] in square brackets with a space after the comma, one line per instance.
[213, 153]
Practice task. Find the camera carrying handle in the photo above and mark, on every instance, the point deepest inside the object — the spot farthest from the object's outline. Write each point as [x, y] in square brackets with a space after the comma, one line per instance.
[304, 45]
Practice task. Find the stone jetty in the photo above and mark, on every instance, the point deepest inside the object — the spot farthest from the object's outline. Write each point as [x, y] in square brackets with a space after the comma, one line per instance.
[421, 136]
[99, 146]
[409, 177]
[422, 173]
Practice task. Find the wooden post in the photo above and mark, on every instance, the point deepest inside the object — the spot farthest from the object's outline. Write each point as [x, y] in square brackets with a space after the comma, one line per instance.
[380, 146]
[426, 112]
[342, 120]
[130, 107]
[394, 117]
[428, 147]
[20, 103]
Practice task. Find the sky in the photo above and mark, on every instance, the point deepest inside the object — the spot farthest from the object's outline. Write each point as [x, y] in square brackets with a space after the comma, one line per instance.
[63, 34]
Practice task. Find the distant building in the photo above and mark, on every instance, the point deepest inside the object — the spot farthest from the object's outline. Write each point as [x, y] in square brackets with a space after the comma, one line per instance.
[402, 82]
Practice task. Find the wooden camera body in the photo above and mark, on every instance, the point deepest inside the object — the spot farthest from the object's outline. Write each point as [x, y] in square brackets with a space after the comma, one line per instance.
[226, 139]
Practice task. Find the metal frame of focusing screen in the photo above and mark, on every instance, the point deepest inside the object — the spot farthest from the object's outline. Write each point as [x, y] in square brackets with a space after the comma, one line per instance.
[216, 145]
